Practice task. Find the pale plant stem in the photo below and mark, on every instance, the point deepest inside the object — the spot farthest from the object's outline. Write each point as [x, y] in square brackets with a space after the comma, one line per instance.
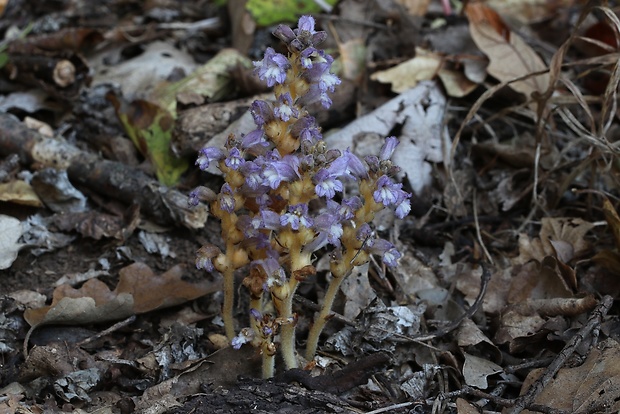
[227, 307]
[287, 332]
[321, 320]
[268, 362]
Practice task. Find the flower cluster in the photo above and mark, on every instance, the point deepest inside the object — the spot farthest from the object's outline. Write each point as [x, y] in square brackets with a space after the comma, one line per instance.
[284, 198]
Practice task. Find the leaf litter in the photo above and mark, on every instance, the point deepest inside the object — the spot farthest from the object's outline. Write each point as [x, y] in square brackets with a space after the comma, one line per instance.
[503, 300]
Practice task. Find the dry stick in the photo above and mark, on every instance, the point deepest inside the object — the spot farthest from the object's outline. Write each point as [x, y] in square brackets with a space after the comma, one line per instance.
[593, 322]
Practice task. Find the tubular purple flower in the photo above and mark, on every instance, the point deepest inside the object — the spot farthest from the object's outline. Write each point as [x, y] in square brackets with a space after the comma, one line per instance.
[385, 249]
[208, 155]
[272, 69]
[285, 169]
[285, 110]
[326, 184]
[246, 335]
[364, 232]
[284, 33]
[387, 192]
[403, 208]
[296, 216]
[306, 130]
[305, 57]
[346, 209]
[253, 174]
[276, 276]
[387, 149]
[305, 24]
[254, 140]
[262, 112]
[227, 198]
[234, 159]
[205, 255]
[330, 224]
[266, 219]
[354, 166]
[199, 194]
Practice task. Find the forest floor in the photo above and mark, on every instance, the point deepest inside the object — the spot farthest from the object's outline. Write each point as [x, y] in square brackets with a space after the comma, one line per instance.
[503, 299]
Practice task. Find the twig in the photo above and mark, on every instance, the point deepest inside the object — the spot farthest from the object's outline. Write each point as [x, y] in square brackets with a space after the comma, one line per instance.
[478, 234]
[391, 407]
[111, 329]
[317, 308]
[594, 321]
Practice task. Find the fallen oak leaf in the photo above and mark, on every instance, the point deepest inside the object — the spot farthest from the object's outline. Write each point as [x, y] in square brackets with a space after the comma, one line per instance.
[510, 57]
[139, 290]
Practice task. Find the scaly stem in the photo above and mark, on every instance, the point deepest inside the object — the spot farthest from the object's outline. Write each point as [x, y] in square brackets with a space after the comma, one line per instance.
[227, 307]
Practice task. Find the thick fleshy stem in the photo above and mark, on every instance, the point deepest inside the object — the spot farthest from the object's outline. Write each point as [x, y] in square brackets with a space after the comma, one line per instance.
[268, 350]
[227, 306]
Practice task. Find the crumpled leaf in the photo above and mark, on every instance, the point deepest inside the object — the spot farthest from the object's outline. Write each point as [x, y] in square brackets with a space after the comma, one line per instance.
[509, 55]
[10, 232]
[425, 66]
[476, 370]
[19, 192]
[268, 12]
[595, 383]
[139, 290]
[424, 138]
[59, 195]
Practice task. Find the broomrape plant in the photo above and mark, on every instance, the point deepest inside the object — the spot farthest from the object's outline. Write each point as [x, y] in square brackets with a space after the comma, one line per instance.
[284, 199]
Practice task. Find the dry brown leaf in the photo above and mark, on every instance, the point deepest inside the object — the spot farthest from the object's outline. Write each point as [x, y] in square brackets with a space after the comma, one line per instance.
[566, 234]
[509, 55]
[19, 192]
[595, 383]
[425, 66]
[139, 290]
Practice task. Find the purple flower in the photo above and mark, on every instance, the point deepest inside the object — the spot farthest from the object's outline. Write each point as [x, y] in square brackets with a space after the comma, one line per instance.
[385, 249]
[253, 174]
[199, 194]
[272, 68]
[208, 155]
[254, 140]
[205, 256]
[345, 210]
[364, 232]
[387, 192]
[403, 208]
[261, 112]
[327, 184]
[267, 220]
[297, 215]
[234, 159]
[276, 276]
[284, 33]
[306, 130]
[285, 109]
[285, 169]
[305, 23]
[227, 198]
[330, 224]
[305, 58]
[388, 148]
[246, 335]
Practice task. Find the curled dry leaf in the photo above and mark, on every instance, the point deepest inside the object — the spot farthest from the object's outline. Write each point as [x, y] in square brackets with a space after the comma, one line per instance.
[425, 66]
[139, 290]
[510, 57]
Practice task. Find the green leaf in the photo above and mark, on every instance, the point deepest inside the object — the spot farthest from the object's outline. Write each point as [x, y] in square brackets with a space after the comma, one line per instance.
[150, 128]
[268, 12]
